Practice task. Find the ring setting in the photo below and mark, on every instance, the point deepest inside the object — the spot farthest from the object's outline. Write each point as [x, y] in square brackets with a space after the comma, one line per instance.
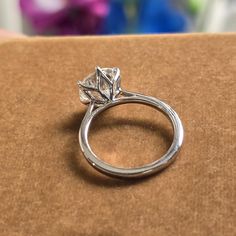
[102, 90]
[100, 87]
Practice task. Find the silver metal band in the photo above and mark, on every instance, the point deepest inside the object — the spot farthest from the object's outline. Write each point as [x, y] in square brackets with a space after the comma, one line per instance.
[96, 107]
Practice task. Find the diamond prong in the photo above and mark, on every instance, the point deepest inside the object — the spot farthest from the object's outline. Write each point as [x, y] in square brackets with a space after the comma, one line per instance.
[101, 86]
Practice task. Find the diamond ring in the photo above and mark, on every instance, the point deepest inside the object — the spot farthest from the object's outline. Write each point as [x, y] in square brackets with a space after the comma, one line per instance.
[102, 90]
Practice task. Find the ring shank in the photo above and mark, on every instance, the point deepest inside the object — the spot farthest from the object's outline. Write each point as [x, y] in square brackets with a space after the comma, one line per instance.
[142, 171]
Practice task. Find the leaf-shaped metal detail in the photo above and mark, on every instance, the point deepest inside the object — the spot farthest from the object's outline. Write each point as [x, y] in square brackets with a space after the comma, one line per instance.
[101, 86]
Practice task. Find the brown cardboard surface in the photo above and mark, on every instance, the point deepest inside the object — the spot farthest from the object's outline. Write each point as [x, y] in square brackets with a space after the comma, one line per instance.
[46, 186]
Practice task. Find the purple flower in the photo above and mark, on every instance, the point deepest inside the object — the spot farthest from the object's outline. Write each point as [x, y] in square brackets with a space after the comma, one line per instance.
[66, 16]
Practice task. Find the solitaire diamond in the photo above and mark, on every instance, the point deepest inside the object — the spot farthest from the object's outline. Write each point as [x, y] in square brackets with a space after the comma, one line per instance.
[101, 86]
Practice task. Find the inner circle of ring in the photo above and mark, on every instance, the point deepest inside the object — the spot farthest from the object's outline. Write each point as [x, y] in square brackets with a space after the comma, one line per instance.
[135, 172]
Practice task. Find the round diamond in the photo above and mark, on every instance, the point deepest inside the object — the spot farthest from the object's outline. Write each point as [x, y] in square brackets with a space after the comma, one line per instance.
[101, 86]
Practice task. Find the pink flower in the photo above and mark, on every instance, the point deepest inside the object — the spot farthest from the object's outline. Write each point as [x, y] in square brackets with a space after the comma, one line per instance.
[66, 16]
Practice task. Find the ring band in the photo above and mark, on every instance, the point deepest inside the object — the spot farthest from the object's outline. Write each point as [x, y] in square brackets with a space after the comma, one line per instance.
[101, 90]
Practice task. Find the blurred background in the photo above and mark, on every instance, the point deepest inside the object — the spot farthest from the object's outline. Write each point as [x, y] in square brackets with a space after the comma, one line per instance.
[101, 17]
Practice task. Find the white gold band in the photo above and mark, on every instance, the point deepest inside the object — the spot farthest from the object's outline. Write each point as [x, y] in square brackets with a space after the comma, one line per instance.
[96, 107]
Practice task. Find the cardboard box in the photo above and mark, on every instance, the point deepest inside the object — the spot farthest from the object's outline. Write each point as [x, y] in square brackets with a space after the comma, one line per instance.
[46, 185]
